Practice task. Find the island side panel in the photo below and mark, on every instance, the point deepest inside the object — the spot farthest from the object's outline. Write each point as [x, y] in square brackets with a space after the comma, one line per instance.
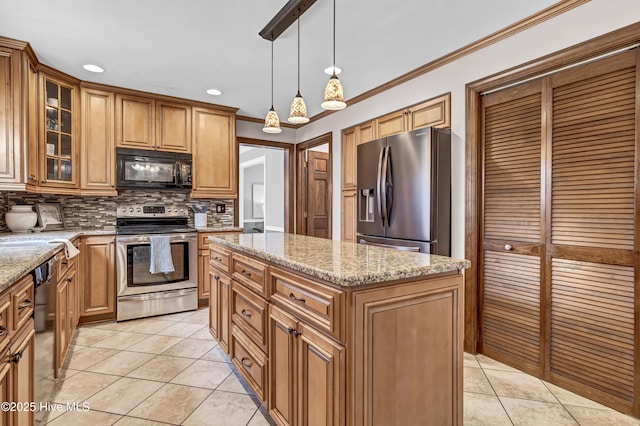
[407, 353]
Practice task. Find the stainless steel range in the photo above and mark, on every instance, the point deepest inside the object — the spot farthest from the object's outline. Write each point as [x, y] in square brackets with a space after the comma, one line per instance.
[147, 235]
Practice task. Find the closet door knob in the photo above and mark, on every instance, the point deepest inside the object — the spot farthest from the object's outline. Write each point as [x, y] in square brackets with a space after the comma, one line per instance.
[508, 247]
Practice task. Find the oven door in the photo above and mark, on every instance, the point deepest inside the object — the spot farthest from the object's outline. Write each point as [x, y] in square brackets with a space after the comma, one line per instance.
[133, 262]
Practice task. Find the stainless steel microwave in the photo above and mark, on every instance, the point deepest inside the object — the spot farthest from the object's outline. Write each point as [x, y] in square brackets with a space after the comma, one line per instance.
[139, 168]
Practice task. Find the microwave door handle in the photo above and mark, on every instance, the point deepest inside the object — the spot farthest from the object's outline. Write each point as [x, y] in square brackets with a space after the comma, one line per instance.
[379, 184]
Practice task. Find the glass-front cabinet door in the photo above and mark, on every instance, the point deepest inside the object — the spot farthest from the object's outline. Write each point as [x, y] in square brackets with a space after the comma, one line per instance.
[60, 141]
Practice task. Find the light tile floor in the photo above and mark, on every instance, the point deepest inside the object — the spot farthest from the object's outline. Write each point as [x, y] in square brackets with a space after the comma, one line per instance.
[169, 370]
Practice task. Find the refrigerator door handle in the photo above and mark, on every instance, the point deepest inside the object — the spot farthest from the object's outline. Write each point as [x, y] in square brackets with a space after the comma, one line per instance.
[388, 192]
[380, 185]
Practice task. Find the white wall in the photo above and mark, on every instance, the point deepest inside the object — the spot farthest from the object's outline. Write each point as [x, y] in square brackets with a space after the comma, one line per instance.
[582, 23]
[249, 129]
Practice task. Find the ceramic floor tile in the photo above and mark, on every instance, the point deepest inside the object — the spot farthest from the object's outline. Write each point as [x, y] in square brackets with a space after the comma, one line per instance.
[88, 336]
[491, 364]
[200, 317]
[123, 395]
[216, 354]
[147, 325]
[191, 348]
[203, 334]
[470, 361]
[121, 363]
[84, 418]
[261, 418]
[134, 421]
[82, 386]
[475, 381]
[181, 329]
[171, 403]
[569, 398]
[155, 344]
[162, 368]
[223, 409]
[203, 374]
[519, 385]
[535, 413]
[484, 410]
[587, 416]
[178, 316]
[234, 383]
[87, 357]
[121, 340]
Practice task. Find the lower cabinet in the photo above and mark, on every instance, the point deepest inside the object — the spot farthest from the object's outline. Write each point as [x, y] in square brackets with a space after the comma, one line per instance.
[97, 292]
[219, 315]
[67, 308]
[307, 374]
[22, 358]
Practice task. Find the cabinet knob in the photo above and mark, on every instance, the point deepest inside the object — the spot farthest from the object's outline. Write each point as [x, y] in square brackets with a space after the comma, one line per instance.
[32, 177]
[216, 277]
[69, 279]
[246, 362]
[43, 181]
[15, 358]
[508, 247]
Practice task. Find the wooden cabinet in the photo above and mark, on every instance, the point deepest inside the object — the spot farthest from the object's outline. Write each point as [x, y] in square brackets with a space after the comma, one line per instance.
[392, 124]
[59, 133]
[349, 159]
[307, 373]
[349, 212]
[219, 296]
[10, 150]
[215, 148]
[97, 290]
[17, 359]
[435, 112]
[67, 306]
[204, 278]
[135, 122]
[97, 148]
[173, 124]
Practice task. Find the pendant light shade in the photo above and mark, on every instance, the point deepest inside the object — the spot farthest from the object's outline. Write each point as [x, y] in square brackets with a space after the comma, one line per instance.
[272, 121]
[333, 92]
[298, 112]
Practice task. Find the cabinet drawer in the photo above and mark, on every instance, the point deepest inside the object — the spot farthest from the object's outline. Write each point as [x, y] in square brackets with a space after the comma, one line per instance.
[250, 272]
[5, 320]
[203, 240]
[250, 361]
[316, 303]
[220, 258]
[249, 312]
[22, 302]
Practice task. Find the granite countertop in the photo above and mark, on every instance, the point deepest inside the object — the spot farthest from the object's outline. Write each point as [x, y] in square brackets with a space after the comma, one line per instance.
[343, 263]
[18, 260]
[220, 229]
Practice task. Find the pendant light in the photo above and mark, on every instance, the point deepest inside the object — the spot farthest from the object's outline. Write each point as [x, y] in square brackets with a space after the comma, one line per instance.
[298, 113]
[272, 121]
[333, 93]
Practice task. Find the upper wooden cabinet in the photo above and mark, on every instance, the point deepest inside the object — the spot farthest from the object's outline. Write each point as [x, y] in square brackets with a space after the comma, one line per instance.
[392, 124]
[214, 154]
[135, 121]
[365, 132]
[173, 127]
[97, 148]
[435, 112]
[59, 133]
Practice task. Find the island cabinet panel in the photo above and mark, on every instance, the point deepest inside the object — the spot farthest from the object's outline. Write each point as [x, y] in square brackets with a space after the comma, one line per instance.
[408, 343]
[250, 361]
[219, 313]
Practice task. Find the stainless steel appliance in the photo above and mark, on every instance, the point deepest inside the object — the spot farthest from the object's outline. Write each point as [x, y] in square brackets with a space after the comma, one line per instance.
[139, 168]
[141, 293]
[44, 318]
[404, 191]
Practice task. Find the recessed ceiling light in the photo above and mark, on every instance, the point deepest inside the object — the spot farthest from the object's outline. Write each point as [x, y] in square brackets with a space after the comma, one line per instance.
[330, 70]
[93, 68]
[214, 92]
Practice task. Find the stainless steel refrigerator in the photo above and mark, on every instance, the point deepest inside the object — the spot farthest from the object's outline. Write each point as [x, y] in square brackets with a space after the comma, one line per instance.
[404, 191]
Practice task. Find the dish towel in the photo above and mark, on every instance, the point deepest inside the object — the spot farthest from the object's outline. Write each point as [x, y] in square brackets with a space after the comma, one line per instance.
[69, 249]
[160, 260]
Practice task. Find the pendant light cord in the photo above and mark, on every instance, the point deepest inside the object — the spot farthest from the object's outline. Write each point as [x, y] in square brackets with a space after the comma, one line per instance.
[272, 74]
[334, 37]
[298, 51]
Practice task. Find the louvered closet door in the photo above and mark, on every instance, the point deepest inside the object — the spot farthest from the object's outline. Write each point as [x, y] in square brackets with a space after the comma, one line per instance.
[511, 229]
[593, 236]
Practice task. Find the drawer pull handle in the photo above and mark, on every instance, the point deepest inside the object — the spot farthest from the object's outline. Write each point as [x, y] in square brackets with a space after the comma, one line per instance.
[216, 277]
[245, 273]
[218, 259]
[297, 299]
[246, 363]
[293, 331]
[15, 358]
[246, 313]
[24, 304]
[3, 330]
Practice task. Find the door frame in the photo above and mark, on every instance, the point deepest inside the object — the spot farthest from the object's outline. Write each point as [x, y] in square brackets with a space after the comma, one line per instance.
[301, 190]
[590, 49]
[288, 178]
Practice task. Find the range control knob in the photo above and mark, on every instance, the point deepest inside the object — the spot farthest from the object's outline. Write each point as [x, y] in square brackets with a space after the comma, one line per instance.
[181, 210]
[131, 209]
[124, 209]
[175, 210]
[138, 209]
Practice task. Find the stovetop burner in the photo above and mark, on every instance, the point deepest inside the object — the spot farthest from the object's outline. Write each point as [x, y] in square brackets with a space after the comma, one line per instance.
[133, 219]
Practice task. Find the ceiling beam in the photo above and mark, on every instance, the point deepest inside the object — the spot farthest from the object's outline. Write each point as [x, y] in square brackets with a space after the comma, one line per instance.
[284, 18]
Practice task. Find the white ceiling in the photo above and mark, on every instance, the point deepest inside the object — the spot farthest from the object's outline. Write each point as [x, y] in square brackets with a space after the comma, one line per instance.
[182, 48]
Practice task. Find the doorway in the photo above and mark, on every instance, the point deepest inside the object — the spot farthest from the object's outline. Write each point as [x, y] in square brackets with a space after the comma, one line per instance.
[265, 189]
[314, 203]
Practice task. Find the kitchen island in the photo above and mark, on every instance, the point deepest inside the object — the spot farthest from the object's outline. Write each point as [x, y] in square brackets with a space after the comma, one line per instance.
[329, 332]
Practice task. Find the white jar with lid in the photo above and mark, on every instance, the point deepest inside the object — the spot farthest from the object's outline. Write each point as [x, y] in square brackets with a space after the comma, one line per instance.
[21, 218]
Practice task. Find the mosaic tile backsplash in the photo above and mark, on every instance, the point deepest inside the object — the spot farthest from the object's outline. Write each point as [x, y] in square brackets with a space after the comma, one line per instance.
[100, 212]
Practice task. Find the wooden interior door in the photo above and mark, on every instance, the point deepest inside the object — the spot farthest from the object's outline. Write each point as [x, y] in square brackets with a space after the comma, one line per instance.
[318, 194]
[511, 238]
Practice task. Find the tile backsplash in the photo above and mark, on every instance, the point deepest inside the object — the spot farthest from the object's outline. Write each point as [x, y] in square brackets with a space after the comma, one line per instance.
[100, 212]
